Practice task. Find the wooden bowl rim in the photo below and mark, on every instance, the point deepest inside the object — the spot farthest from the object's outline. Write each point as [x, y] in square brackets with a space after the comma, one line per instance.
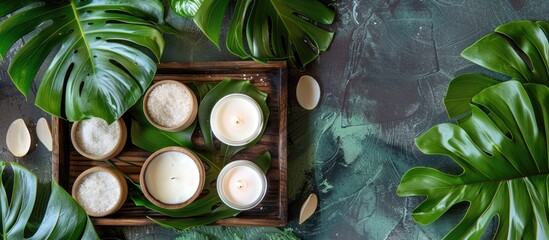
[201, 172]
[119, 178]
[184, 124]
[121, 142]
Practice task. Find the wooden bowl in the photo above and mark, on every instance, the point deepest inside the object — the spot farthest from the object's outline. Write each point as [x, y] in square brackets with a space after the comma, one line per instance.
[201, 173]
[121, 141]
[119, 179]
[186, 122]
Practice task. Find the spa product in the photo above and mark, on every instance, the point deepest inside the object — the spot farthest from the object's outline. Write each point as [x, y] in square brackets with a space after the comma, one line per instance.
[236, 119]
[170, 105]
[100, 191]
[95, 139]
[241, 185]
[172, 177]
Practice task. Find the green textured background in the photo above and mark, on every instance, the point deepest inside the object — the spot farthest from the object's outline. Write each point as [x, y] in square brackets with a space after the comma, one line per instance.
[383, 80]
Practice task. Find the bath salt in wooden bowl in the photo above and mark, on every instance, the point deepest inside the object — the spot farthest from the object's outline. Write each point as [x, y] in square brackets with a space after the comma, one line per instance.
[170, 105]
[95, 139]
[100, 190]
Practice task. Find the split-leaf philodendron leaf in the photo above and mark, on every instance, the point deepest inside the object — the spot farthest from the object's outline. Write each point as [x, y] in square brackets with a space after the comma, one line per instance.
[98, 68]
[518, 49]
[503, 150]
[500, 140]
[186, 8]
[265, 30]
[33, 210]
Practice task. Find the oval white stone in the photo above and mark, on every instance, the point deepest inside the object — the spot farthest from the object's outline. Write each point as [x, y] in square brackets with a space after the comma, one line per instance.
[308, 92]
[18, 138]
[43, 131]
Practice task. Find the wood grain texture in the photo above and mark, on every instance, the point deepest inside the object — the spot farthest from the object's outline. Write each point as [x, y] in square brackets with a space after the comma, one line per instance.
[270, 78]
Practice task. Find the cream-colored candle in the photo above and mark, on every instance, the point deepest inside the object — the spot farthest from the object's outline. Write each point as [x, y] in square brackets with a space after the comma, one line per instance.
[236, 119]
[241, 185]
[172, 177]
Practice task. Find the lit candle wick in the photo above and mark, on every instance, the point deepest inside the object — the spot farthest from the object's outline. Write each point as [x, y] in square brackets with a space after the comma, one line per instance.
[173, 178]
[240, 184]
[236, 120]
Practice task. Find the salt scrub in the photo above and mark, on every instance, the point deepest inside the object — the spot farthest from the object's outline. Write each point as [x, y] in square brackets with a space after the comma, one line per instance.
[98, 192]
[97, 138]
[170, 105]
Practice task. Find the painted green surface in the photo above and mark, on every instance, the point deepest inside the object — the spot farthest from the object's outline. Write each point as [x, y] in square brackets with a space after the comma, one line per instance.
[383, 80]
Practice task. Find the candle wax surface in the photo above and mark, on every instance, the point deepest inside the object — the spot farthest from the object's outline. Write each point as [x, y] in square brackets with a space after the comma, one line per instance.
[172, 177]
[242, 185]
[237, 118]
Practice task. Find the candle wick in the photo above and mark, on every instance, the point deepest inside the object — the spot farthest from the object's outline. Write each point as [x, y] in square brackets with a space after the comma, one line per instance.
[236, 120]
[173, 178]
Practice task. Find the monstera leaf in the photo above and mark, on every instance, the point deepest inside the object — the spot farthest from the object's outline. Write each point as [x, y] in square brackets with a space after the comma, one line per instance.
[503, 150]
[273, 29]
[186, 8]
[29, 209]
[519, 50]
[98, 68]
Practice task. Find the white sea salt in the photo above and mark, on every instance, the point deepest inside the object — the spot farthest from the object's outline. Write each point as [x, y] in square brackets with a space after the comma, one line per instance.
[98, 192]
[169, 104]
[96, 137]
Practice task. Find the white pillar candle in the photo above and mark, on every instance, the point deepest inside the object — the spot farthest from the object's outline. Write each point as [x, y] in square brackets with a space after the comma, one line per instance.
[241, 185]
[236, 119]
[172, 177]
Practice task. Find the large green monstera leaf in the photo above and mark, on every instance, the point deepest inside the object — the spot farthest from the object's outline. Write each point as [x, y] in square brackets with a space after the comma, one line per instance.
[519, 50]
[503, 150]
[33, 210]
[100, 65]
[265, 30]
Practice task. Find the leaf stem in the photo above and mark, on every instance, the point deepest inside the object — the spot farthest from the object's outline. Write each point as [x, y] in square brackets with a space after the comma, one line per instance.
[77, 17]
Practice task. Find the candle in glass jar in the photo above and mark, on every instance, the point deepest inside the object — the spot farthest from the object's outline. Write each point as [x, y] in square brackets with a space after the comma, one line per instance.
[172, 177]
[236, 119]
[241, 185]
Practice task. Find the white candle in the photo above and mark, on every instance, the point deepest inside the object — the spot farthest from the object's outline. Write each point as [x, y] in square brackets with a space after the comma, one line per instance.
[172, 177]
[236, 119]
[241, 185]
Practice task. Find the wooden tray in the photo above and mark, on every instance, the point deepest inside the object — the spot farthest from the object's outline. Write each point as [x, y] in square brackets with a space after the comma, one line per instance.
[270, 78]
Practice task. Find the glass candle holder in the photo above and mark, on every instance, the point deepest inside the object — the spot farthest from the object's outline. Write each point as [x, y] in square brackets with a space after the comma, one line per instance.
[241, 185]
[236, 119]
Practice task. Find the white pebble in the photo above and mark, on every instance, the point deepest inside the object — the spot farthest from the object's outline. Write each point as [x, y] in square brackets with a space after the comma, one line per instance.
[308, 92]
